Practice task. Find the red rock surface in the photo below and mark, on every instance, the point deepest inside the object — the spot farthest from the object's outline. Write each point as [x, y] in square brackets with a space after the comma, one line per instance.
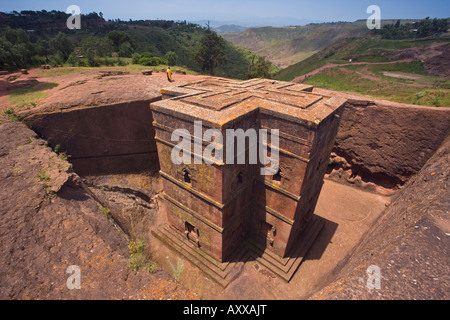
[43, 234]
[410, 243]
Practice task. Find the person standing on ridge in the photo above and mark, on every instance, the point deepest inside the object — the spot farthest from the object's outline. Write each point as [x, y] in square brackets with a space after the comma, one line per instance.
[169, 74]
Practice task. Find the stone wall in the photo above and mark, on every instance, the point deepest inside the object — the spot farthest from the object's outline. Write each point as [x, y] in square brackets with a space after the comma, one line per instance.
[116, 138]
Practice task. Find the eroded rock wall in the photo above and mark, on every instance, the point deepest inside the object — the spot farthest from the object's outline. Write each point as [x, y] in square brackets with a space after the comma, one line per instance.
[409, 244]
[384, 144]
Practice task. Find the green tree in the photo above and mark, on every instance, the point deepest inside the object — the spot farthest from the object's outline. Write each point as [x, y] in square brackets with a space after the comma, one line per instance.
[92, 61]
[171, 58]
[125, 50]
[16, 50]
[120, 37]
[211, 52]
[259, 69]
[135, 58]
[73, 60]
[62, 45]
[43, 48]
[101, 47]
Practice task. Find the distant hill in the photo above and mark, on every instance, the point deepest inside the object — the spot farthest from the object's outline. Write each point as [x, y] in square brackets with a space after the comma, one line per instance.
[228, 28]
[412, 70]
[373, 46]
[287, 45]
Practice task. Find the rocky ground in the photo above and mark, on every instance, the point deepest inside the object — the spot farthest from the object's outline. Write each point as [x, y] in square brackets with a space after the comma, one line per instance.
[88, 88]
[49, 222]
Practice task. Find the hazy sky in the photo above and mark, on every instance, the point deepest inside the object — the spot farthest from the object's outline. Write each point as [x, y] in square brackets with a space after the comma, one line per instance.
[233, 10]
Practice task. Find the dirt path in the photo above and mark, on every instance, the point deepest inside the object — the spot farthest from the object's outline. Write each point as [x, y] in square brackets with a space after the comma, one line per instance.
[334, 65]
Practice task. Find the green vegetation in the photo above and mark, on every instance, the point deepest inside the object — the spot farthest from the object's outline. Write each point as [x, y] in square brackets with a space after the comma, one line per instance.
[178, 270]
[107, 43]
[62, 45]
[119, 39]
[57, 148]
[260, 68]
[370, 80]
[429, 97]
[63, 156]
[138, 258]
[171, 58]
[45, 179]
[43, 176]
[211, 52]
[105, 211]
[368, 49]
[376, 70]
[16, 50]
[147, 59]
[62, 71]
[413, 29]
[11, 114]
[28, 96]
[410, 67]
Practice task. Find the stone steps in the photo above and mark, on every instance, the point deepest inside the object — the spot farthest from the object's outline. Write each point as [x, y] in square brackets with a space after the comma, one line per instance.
[221, 272]
[286, 267]
[225, 272]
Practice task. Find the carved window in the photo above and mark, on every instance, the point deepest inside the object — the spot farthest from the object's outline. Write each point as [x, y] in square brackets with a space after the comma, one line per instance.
[278, 175]
[192, 233]
[240, 178]
[187, 176]
[268, 231]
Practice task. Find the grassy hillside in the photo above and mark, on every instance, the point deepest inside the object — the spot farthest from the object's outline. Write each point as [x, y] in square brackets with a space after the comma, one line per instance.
[410, 71]
[287, 45]
[369, 49]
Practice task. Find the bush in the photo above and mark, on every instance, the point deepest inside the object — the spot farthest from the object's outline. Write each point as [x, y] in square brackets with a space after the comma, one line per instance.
[171, 58]
[118, 38]
[62, 45]
[56, 60]
[72, 60]
[138, 258]
[92, 61]
[146, 54]
[260, 69]
[108, 62]
[136, 246]
[125, 50]
[135, 58]
[152, 61]
[81, 63]
[121, 62]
